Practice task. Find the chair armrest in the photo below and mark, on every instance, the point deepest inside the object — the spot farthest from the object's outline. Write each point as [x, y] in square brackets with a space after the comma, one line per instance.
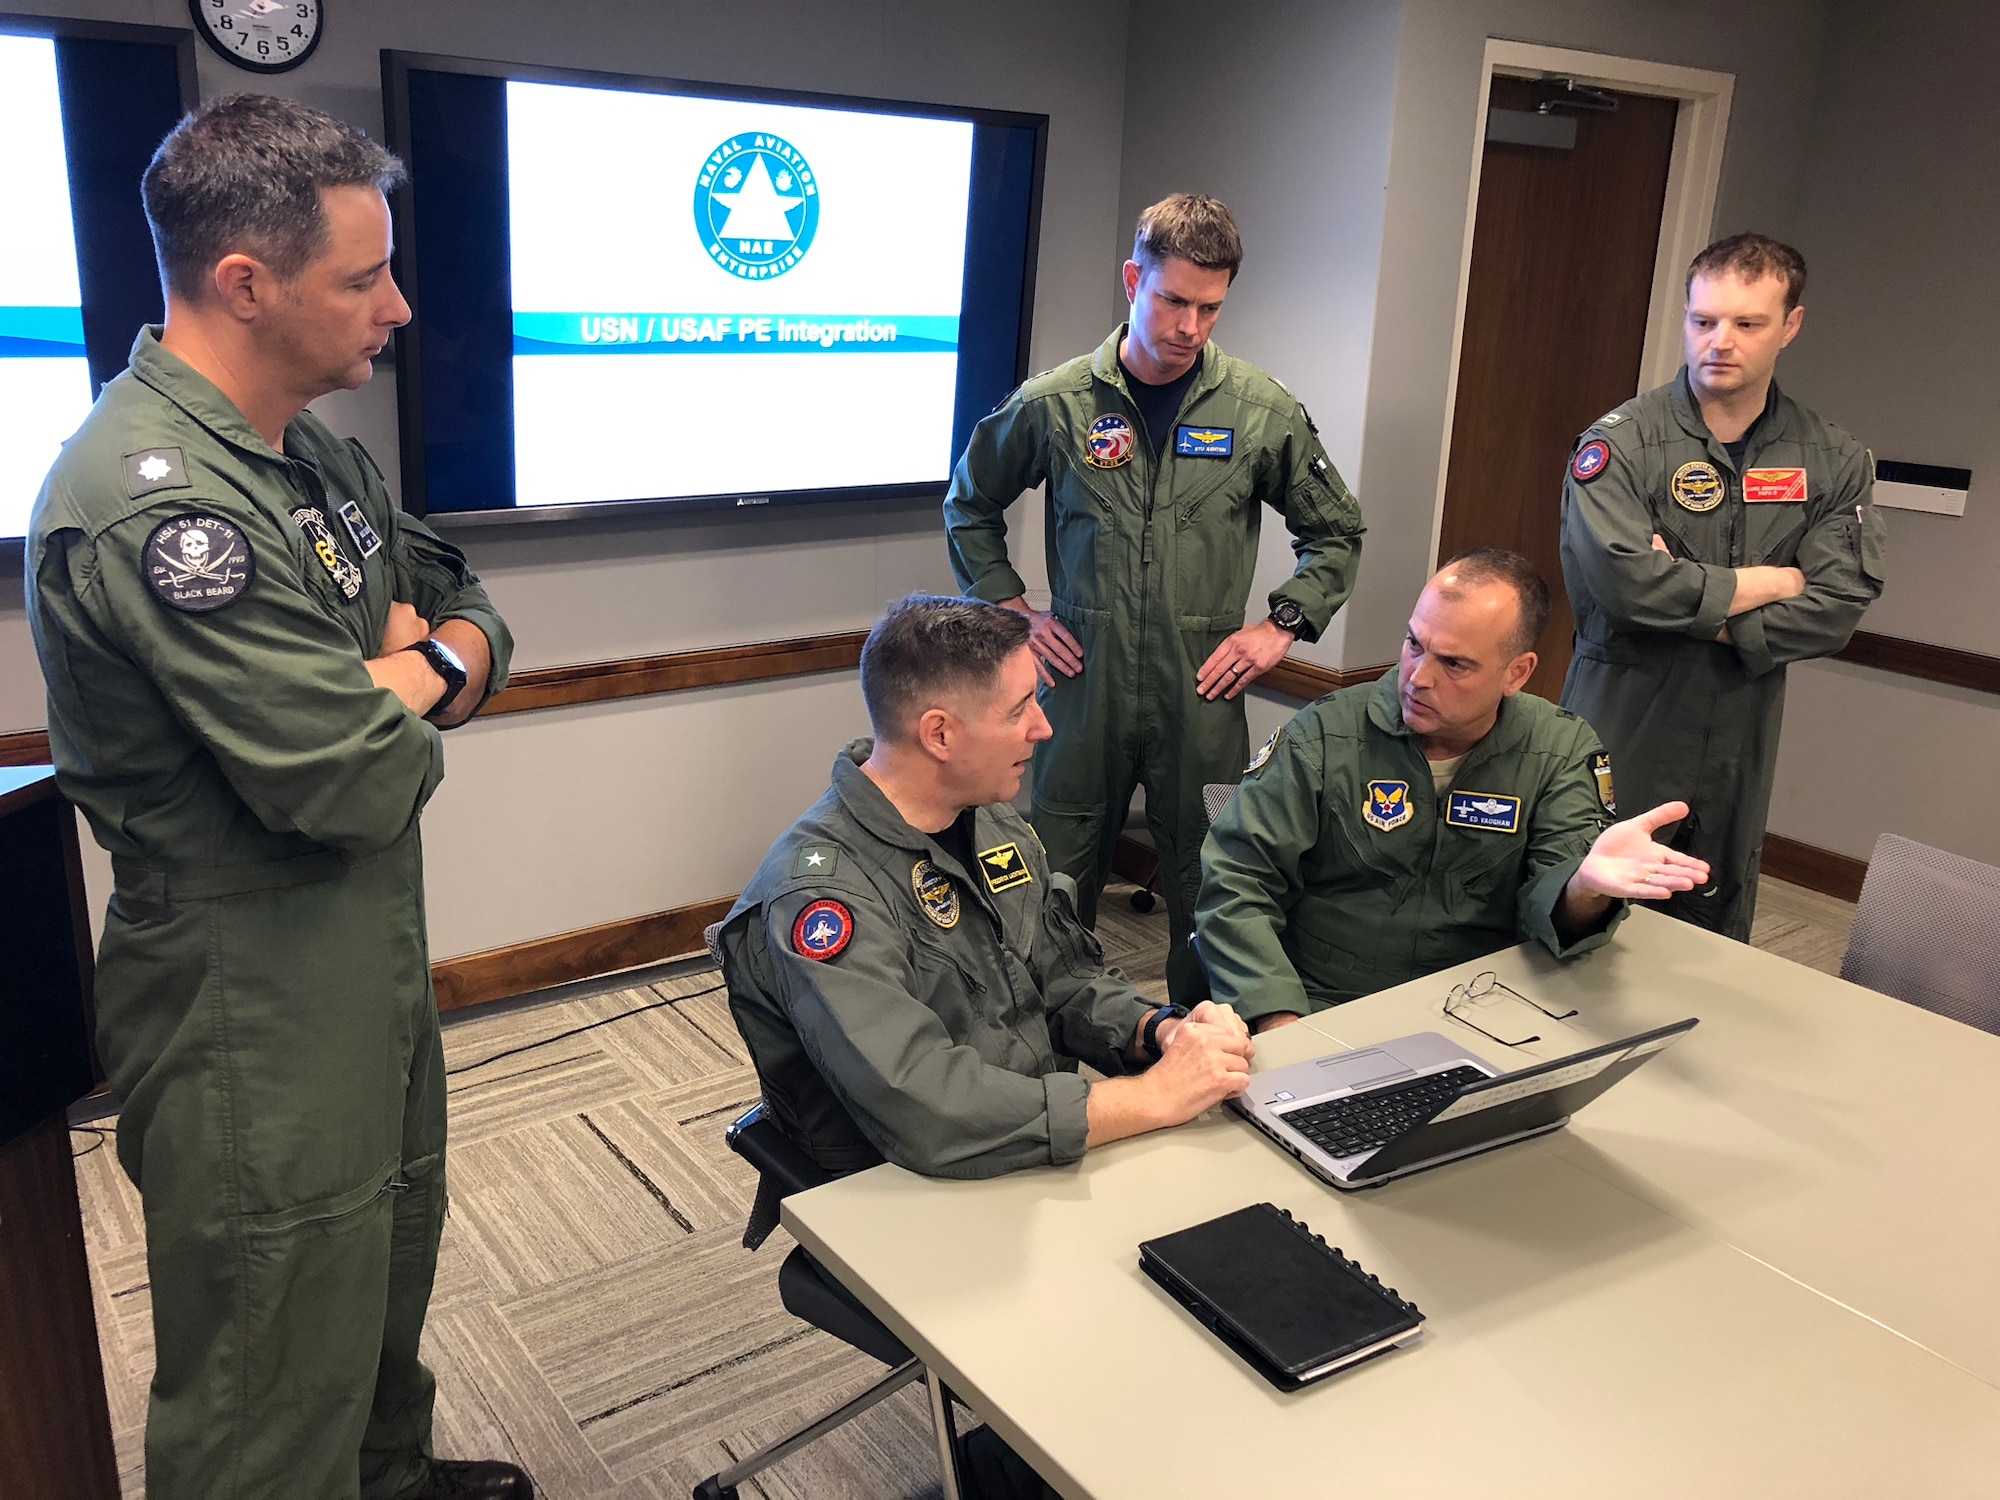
[776, 1157]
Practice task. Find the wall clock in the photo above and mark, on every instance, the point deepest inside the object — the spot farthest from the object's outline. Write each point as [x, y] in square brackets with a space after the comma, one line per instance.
[265, 36]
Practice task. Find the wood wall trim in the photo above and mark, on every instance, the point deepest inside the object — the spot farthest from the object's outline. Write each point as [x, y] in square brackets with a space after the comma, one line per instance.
[1307, 680]
[1814, 868]
[1906, 658]
[25, 747]
[587, 953]
[642, 676]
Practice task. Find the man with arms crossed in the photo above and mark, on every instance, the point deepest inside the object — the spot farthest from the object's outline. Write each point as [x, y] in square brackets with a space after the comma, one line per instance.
[1714, 530]
[1401, 827]
[249, 653]
[1159, 451]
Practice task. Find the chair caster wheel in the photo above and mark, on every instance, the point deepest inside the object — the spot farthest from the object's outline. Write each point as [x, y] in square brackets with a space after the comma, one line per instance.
[708, 1489]
[1142, 901]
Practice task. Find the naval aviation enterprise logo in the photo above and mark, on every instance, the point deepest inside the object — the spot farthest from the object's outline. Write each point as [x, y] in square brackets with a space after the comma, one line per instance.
[756, 205]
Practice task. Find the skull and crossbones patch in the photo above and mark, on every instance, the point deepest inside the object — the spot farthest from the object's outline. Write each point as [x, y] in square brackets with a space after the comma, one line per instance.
[198, 563]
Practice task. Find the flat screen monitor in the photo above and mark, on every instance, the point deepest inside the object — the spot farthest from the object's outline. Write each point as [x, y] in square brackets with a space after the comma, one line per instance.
[634, 292]
[82, 106]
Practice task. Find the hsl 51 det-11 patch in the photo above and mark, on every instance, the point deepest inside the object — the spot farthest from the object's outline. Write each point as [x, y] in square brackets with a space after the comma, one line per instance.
[198, 563]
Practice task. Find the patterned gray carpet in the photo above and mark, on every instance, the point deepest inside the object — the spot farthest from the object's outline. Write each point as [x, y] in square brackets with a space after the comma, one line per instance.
[596, 1319]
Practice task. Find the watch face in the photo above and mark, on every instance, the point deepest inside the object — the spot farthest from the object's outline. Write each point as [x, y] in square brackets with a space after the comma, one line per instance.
[265, 36]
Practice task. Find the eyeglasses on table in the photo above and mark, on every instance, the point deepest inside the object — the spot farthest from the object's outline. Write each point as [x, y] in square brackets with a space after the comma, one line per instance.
[1481, 985]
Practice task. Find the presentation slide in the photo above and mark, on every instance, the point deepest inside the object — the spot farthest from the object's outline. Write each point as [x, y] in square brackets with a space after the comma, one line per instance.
[728, 297]
[44, 376]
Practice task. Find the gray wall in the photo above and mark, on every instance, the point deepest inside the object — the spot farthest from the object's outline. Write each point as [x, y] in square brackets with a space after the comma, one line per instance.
[1285, 117]
[565, 818]
[1899, 225]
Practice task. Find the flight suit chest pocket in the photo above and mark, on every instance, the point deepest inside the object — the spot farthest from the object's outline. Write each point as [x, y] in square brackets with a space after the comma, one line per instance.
[949, 986]
[1356, 851]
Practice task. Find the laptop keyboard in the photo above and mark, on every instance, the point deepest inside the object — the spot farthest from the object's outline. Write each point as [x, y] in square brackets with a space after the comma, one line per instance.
[1361, 1122]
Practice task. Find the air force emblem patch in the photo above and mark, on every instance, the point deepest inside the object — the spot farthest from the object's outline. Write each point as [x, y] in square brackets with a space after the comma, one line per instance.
[197, 564]
[1495, 812]
[822, 931]
[1204, 442]
[1003, 868]
[1387, 804]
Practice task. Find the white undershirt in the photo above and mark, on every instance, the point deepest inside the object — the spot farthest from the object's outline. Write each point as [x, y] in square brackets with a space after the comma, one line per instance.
[1444, 772]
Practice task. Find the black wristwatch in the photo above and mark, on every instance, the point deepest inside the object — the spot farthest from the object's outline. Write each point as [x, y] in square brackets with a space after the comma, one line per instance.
[1287, 615]
[1149, 1034]
[443, 661]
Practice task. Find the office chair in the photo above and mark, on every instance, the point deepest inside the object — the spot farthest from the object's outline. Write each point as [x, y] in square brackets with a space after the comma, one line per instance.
[812, 1296]
[1923, 931]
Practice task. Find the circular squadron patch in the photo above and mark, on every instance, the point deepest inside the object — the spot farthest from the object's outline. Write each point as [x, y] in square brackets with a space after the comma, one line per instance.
[822, 931]
[198, 563]
[1109, 445]
[1697, 486]
[1590, 460]
[1263, 756]
[935, 894]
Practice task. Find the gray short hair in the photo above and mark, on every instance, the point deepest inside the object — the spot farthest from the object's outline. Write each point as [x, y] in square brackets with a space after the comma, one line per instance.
[243, 174]
[1498, 565]
[929, 647]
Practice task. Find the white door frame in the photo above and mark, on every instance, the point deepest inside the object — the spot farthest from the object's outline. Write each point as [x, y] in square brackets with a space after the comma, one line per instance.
[1687, 215]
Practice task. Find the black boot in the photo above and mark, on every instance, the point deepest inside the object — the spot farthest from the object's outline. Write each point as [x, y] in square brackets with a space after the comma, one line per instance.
[483, 1479]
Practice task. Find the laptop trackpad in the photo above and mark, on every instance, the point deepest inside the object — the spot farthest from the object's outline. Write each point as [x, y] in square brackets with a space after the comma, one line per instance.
[1357, 1070]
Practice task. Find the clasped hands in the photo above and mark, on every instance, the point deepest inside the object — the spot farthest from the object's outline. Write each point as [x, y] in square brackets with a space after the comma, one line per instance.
[1240, 660]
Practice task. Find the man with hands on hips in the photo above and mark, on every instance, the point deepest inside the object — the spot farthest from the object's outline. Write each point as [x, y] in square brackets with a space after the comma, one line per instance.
[1401, 827]
[1159, 452]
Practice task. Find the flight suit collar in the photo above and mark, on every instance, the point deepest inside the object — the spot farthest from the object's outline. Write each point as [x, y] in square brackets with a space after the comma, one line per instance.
[198, 396]
[1773, 423]
[1104, 366]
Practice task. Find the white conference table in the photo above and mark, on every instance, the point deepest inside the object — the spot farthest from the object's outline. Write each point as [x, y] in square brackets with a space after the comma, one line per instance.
[1766, 1264]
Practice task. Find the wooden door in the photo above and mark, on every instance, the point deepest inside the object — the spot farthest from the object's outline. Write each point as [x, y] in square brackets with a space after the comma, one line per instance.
[1555, 327]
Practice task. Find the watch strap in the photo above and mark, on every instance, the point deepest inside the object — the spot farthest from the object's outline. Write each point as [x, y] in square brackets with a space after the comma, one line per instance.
[1149, 1035]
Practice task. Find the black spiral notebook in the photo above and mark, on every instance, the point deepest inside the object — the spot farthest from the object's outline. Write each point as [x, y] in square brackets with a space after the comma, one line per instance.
[1292, 1306]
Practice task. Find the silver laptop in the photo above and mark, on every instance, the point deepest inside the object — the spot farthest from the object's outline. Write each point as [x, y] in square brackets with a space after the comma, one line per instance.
[1359, 1118]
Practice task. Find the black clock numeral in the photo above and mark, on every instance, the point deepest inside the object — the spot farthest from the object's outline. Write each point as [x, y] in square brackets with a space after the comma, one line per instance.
[298, 31]
[227, 23]
[305, 11]
[284, 44]
[242, 40]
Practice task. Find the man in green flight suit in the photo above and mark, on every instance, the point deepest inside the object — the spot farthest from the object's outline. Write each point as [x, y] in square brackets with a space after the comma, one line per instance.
[1713, 531]
[910, 975]
[249, 653]
[1404, 826]
[1158, 451]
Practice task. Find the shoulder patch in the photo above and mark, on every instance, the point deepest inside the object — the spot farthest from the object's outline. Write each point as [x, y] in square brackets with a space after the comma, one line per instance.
[1003, 868]
[822, 930]
[1590, 460]
[153, 469]
[1263, 756]
[816, 859]
[1600, 767]
[198, 563]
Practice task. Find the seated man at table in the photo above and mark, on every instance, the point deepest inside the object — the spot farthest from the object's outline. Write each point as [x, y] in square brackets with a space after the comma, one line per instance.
[911, 978]
[1406, 825]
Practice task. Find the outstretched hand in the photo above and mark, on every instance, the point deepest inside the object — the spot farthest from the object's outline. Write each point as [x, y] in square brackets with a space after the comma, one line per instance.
[1627, 861]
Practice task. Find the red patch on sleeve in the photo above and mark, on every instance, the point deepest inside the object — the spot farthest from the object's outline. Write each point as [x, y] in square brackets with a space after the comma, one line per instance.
[1590, 460]
[822, 931]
